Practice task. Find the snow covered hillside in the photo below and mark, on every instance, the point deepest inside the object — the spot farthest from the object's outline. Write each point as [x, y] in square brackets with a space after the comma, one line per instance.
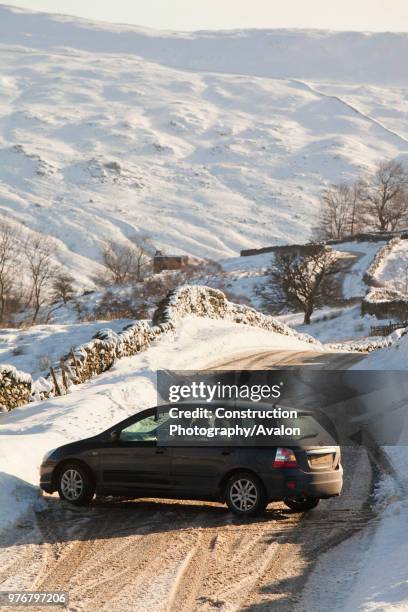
[394, 270]
[204, 142]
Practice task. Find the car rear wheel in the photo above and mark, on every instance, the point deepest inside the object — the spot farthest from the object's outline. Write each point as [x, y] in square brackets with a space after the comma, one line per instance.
[75, 485]
[245, 494]
[301, 504]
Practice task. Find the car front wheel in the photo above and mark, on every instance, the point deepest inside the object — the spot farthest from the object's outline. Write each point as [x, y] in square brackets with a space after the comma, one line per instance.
[301, 504]
[75, 485]
[245, 495]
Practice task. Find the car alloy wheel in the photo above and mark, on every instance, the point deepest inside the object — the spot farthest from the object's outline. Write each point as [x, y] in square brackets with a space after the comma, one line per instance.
[244, 495]
[72, 484]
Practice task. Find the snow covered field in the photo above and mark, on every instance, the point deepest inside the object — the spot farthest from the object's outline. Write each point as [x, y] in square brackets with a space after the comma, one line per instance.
[135, 132]
[246, 276]
[333, 324]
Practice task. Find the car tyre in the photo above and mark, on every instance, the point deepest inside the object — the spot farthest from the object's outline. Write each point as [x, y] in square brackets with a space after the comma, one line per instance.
[245, 494]
[75, 484]
[301, 504]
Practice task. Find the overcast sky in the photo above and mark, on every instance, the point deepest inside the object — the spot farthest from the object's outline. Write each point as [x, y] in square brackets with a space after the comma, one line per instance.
[376, 15]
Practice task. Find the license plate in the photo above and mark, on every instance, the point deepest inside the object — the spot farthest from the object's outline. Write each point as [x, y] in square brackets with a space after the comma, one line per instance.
[321, 460]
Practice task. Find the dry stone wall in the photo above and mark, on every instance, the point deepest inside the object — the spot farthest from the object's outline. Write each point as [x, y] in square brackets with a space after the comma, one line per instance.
[370, 276]
[15, 388]
[385, 303]
[98, 355]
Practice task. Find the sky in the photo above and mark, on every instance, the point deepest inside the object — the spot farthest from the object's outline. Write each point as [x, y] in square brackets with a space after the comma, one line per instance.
[374, 15]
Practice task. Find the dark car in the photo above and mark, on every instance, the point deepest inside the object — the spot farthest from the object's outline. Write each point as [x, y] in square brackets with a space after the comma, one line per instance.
[136, 458]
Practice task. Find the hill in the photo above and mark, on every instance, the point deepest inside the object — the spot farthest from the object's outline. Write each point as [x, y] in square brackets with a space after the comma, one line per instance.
[205, 142]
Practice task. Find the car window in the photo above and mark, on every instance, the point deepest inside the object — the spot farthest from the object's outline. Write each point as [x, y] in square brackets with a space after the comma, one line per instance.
[144, 430]
[310, 428]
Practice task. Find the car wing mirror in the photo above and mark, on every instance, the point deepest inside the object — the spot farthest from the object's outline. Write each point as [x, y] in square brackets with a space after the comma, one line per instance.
[114, 435]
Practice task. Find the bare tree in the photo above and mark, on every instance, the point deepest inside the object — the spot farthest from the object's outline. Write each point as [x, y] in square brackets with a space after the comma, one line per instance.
[341, 211]
[63, 286]
[125, 263]
[143, 261]
[385, 195]
[305, 280]
[357, 212]
[8, 265]
[334, 212]
[38, 253]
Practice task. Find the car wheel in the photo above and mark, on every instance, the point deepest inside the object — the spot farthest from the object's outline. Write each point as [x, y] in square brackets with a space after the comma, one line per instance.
[245, 494]
[75, 485]
[301, 504]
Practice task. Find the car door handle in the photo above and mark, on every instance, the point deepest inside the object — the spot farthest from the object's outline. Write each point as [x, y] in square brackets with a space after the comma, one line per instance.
[160, 451]
[225, 452]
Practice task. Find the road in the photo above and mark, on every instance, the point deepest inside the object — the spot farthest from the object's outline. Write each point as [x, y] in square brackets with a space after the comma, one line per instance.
[185, 556]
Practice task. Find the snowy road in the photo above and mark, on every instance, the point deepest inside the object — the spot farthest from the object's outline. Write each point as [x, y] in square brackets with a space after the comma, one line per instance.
[184, 556]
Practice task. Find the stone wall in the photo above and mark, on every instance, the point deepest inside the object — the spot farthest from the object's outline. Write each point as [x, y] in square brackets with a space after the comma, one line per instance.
[370, 276]
[15, 388]
[385, 303]
[98, 355]
[310, 248]
[206, 302]
[370, 237]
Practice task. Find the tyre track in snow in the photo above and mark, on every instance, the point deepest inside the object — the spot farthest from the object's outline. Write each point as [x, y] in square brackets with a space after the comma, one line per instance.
[176, 556]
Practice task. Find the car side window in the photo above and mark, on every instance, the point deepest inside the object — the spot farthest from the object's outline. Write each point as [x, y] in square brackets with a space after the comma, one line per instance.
[144, 430]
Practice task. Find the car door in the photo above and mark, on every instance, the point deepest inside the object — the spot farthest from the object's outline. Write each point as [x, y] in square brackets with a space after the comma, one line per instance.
[134, 463]
[198, 466]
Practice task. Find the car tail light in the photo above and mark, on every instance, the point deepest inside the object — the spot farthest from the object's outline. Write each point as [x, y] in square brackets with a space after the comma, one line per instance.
[285, 458]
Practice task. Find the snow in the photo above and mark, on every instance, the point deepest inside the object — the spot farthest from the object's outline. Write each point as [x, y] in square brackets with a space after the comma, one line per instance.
[353, 285]
[133, 132]
[246, 276]
[17, 375]
[366, 57]
[373, 563]
[367, 572]
[382, 582]
[394, 270]
[28, 432]
[394, 357]
[333, 324]
[34, 349]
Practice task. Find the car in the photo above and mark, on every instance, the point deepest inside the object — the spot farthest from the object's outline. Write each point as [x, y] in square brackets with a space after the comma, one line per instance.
[134, 459]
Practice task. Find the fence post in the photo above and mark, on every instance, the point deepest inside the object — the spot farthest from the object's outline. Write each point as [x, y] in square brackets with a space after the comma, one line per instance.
[75, 365]
[54, 378]
[64, 374]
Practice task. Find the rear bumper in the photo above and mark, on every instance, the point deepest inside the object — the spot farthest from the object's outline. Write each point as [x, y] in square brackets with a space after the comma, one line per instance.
[296, 483]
